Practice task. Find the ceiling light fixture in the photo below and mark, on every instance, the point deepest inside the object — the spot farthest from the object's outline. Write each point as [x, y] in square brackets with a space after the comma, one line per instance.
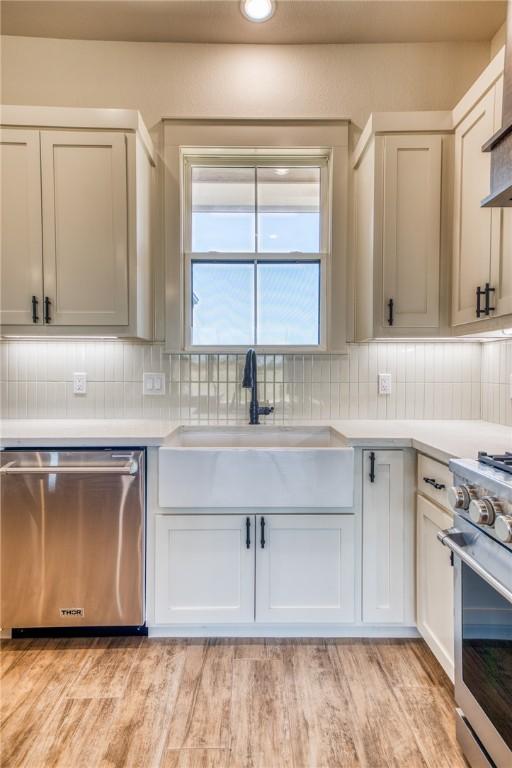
[258, 10]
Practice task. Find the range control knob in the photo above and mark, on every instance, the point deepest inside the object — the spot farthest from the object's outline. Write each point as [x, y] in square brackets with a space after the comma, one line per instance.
[460, 496]
[503, 528]
[481, 511]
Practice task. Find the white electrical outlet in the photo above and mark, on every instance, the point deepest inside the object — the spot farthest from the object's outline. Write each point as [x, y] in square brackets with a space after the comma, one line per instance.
[384, 383]
[153, 384]
[79, 383]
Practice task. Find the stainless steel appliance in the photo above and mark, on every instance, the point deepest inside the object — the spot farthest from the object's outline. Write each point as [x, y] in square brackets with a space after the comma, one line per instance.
[481, 543]
[72, 541]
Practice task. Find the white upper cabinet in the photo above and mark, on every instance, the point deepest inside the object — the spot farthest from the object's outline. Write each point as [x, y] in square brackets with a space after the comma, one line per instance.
[21, 240]
[482, 237]
[411, 231]
[76, 223]
[501, 262]
[85, 227]
[397, 232]
[501, 255]
[472, 224]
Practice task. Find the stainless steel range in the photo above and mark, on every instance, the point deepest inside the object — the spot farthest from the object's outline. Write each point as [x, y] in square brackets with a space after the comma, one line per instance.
[481, 545]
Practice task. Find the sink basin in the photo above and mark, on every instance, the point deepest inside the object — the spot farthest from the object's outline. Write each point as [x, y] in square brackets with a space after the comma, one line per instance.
[258, 466]
[255, 437]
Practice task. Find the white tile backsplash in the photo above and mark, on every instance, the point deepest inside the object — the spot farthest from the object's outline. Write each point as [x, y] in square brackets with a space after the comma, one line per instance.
[429, 381]
[496, 370]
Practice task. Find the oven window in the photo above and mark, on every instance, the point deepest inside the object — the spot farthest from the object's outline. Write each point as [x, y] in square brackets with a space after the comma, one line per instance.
[487, 650]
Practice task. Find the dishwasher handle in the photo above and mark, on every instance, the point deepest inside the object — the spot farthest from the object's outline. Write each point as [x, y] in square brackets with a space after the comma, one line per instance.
[87, 469]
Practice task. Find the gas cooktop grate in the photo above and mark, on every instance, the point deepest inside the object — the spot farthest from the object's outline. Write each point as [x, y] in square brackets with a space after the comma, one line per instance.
[496, 460]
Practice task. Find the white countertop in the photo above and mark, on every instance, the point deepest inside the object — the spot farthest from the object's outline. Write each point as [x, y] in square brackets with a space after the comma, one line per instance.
[442, 440]
[50, 433]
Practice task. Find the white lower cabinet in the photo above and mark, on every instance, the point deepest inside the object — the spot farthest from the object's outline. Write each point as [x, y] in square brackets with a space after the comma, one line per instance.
[434, 583]
[305, 568]
[384, 537]
[204, 569]
[277, 568]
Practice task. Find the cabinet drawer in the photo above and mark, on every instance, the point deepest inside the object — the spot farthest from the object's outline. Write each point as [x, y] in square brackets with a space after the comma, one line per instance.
[430, 469]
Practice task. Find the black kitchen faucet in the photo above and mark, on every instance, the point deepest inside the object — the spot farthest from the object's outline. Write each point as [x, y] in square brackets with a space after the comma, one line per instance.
[251, 382]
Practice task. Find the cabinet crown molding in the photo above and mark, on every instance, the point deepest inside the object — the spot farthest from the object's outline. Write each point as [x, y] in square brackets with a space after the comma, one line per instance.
[85, 118]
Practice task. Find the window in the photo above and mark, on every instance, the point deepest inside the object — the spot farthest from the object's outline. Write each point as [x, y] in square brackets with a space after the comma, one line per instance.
[255, 242]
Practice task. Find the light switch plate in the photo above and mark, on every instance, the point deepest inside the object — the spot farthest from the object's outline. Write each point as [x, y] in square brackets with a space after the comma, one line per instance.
[79, 383]
[153, 384]
[384, 383]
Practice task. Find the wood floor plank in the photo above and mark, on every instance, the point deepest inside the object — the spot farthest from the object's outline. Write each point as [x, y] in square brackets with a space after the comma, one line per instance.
[252, 648]
[225, 704]
[13, 651]
[75, 736]
[319, 709]
[432, 723]
[408, 663]
[137, 737]
[107, 668]
[383, 739]
[260, 726]
[201, 717]
[31, 693]
[196, 758]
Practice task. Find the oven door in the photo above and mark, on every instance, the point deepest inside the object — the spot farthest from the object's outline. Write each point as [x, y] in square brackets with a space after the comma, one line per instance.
[483, 637]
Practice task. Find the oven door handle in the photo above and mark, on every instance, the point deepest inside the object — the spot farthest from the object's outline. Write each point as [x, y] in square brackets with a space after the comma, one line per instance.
[452, 539]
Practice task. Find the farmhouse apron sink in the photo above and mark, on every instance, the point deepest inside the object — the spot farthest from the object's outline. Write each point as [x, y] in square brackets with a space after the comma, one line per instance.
[243, 466]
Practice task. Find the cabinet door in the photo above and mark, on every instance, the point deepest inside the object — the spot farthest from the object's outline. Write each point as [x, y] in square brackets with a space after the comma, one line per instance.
[204, 569]
[85, 227]
[384, 535]
[434, 583]
[472, 224]
[501, 278]
[305, 568]
[21, 234]
[501, 258]
[411, 233]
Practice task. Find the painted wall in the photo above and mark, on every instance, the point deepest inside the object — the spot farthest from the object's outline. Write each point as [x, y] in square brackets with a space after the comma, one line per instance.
[191, 80]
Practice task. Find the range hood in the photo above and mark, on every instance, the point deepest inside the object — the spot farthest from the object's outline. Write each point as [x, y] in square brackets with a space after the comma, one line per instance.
[500, 146]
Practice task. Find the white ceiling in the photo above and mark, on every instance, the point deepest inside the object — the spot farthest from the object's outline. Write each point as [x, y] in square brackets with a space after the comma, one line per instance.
[220, 21]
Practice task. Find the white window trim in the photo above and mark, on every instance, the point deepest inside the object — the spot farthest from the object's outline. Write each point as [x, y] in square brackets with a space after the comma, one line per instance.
[257, 156]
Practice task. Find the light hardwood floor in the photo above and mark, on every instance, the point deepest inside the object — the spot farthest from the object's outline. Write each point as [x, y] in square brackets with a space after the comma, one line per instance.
[115, 703]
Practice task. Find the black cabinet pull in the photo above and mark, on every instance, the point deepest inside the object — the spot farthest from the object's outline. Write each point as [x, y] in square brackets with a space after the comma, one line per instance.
[372, 467]
[248, 532]
[262, 536]
[479, 294]
[35, 316]
[434, 483]
[47, 304]
[391, 306]
[488, 290]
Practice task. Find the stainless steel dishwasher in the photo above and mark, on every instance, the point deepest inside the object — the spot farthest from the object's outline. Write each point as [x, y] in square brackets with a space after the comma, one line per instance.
[72, 541]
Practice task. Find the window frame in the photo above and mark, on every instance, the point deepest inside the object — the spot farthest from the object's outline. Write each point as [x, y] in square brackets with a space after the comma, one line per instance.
[255, 157]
